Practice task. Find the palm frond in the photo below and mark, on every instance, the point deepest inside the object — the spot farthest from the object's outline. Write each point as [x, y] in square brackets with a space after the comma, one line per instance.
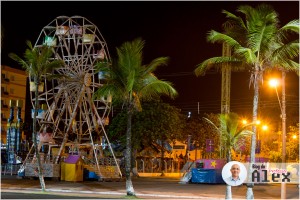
[129, 80]
[286, 51]
[214, 36]
[102, 66]
[161, 61]
[20, 61]
[247, 54]
[211, 123]
[154, 88]
[238, 20]
[292, 26]
[214, 62]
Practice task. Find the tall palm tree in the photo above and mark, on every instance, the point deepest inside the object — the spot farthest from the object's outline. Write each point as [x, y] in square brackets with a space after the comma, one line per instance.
[37, 64]
[230, 134]
[257, 44]
[130, 82]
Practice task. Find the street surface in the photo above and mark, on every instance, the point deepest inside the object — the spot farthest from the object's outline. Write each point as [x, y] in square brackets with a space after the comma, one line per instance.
[145, 188]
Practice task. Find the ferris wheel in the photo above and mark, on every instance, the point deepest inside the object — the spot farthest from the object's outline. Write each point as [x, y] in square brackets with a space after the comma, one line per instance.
[66, 103]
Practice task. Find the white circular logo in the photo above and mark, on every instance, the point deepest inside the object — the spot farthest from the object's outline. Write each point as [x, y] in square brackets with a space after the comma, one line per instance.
[234, 173]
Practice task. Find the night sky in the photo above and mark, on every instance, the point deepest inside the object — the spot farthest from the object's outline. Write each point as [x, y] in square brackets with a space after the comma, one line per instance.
[175, 29]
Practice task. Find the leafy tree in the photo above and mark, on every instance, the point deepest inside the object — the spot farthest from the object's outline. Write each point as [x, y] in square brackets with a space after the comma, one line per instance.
[200, 131]
[293, 142]
[37, 64]
[163, 123]
[230, 134]
[257, 44]
[130, 82]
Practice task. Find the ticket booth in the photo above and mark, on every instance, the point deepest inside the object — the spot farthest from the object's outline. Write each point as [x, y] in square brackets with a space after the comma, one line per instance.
[72, 168]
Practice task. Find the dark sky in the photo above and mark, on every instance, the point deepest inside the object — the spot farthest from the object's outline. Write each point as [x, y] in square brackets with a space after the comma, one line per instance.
[176, 29]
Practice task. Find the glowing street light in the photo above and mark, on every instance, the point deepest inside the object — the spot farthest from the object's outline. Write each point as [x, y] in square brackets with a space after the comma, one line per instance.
[264, 127]
[274, 83]
[244, 121]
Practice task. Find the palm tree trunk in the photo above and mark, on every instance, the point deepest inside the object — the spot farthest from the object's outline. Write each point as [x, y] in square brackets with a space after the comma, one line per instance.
[249, 194]
[129, 186]
[228, 194]
[34, 135]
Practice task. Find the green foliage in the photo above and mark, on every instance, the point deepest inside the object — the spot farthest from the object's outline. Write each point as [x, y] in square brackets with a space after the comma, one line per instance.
[200, 131]
[230, 132]
[156, 121]
[275, 156]
[130, 82]
[257, 44]
[37, 61]
[255, 41]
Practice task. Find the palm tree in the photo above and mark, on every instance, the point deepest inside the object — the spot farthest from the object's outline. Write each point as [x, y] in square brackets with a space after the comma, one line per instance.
[257, 44]
[37, 64]
[230, 134]
[130, 82]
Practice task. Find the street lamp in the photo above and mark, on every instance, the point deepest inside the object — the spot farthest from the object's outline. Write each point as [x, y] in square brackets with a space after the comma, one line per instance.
[274, 83]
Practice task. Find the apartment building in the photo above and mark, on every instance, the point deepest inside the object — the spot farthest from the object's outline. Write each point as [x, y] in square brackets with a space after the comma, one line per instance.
[13, 87]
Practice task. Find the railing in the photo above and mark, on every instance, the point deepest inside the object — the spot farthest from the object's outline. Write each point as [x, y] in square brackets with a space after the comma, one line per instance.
[10, 169]
[154, 165]
[107, 166]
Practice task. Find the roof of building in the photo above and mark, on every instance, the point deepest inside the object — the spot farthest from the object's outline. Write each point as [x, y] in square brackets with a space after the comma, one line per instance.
[14, 70]
[72, 159]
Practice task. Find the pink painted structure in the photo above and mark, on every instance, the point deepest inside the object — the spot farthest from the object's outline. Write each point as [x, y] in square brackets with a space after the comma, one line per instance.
[212, 163]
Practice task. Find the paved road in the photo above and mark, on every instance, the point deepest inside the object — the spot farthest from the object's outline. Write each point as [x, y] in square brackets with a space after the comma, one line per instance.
[21, 195]
[145, 188]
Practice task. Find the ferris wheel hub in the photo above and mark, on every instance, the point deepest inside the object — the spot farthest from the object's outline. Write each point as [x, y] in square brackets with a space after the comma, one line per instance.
[87, 79]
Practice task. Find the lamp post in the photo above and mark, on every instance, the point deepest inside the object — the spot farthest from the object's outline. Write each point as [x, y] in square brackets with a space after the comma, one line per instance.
[274, 83]
[258, 140]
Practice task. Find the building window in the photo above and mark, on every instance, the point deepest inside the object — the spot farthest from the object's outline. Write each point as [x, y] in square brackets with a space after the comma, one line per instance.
[3, 118]
[3, 104]
[12, 90]
[12, 78]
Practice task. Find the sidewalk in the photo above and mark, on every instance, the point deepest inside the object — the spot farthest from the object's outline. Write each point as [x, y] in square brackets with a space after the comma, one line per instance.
[145, 188]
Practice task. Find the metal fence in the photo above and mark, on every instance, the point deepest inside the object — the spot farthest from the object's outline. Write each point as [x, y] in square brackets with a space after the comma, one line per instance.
[156, 165]
[10, 169]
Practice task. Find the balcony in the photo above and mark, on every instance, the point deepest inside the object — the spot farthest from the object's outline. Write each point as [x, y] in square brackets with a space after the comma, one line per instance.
[3, 119]
[4, 107]
[4, 93]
